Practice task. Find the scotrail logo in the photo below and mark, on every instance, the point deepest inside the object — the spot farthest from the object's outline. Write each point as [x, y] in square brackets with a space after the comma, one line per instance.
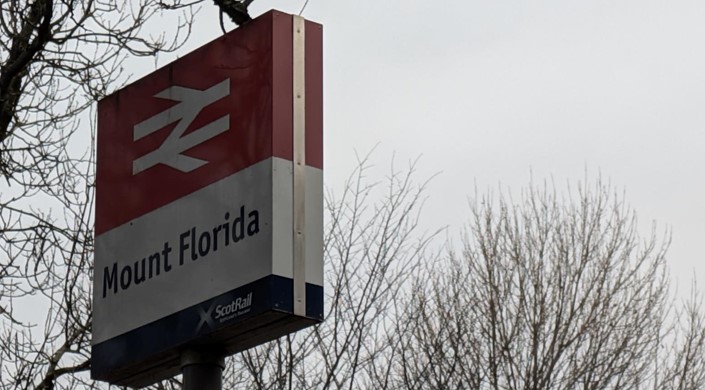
[192, 101]
[237, 307]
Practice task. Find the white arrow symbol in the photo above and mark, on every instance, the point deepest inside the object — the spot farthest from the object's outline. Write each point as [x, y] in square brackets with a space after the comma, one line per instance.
[192, 101]
[205, 317]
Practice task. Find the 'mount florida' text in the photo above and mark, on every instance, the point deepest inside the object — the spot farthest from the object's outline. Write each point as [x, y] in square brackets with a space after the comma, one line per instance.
[193, 244]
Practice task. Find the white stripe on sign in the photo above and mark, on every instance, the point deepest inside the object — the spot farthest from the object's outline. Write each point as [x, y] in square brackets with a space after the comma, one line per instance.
[198, 247]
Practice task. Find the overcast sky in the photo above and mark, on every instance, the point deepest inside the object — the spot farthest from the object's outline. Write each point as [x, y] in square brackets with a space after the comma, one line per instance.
[488, 92]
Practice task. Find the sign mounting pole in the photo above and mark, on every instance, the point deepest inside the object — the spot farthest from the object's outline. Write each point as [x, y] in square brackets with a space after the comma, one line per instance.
[202, 369]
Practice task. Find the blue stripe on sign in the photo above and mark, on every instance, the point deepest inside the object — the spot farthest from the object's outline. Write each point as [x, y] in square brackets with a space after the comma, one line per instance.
[193, 324]
[314, 301]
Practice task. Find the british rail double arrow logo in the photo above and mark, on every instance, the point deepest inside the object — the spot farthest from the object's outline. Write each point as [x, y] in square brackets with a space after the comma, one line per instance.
[170, 152]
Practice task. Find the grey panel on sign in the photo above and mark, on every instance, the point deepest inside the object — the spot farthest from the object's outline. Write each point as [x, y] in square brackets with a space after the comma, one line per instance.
[314, 226]
[282, 206]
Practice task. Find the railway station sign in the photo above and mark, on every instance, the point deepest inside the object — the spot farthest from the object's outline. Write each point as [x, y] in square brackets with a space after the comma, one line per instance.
[209, 205]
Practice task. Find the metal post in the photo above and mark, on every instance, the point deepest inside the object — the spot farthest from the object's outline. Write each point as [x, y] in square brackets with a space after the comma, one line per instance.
[299, 163]
[202, 369]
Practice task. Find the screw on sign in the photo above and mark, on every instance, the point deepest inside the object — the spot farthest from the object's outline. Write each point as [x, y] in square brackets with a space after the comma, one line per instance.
[209, 205]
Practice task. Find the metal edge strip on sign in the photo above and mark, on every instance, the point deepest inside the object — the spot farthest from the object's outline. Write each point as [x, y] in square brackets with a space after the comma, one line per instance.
[299, 157]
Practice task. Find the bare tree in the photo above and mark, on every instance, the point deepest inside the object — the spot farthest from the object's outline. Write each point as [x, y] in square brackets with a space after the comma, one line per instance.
[56, 59]
[682, 358]
[550, 292]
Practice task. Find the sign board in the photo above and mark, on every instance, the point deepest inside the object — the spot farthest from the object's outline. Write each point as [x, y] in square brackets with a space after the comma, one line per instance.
[209, 205]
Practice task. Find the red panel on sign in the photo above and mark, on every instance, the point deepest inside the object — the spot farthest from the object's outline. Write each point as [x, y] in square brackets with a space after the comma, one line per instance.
[216, 111]
[283, 75]
[314, 94]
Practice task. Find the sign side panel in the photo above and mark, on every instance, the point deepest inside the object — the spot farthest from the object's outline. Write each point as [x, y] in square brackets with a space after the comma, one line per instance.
[314, 153]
